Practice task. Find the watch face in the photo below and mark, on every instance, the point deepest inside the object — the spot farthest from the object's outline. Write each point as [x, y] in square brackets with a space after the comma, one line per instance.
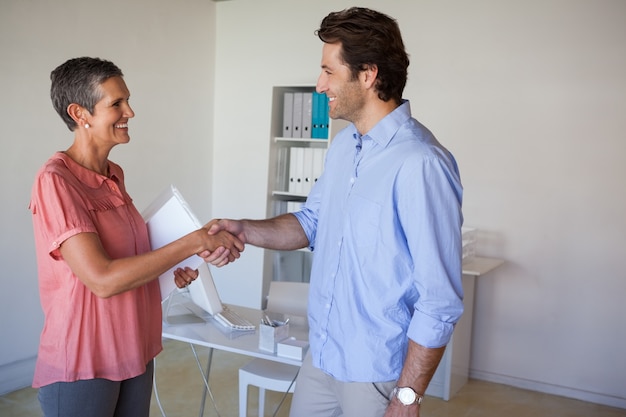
[406, 396]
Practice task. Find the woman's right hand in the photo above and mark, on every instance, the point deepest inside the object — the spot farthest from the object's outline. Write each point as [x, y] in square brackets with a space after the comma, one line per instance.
[221, 247]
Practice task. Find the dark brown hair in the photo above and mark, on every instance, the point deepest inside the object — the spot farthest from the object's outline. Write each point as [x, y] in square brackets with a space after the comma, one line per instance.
[369, 38]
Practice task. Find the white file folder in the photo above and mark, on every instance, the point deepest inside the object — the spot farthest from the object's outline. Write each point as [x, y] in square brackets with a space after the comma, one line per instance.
[296, 162]
[287, 115]
[307, 170]
[296, 132]
[307, 113]
[319, 155]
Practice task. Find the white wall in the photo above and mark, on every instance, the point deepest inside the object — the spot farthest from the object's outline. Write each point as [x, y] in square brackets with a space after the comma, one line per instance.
[166, 50]
[531, 98]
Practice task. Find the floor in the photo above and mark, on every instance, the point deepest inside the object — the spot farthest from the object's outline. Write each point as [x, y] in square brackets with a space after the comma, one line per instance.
[179, 387]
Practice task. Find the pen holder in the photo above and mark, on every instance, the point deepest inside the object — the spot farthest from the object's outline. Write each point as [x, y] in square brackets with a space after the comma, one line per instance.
[270, 335]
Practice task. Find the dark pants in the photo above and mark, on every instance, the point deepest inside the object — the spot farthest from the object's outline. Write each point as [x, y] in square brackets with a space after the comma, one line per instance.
[99, 397]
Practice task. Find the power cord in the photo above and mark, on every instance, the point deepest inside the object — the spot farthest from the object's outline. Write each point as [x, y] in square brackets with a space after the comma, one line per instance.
[293, 381]
[204, 379]
[206, 384]
[156, 391]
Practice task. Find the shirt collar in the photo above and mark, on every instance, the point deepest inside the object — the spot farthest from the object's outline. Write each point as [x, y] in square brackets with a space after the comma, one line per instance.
[385, 130]
[86, 176]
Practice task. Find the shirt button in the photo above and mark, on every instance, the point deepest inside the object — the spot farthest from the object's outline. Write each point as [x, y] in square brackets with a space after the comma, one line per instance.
[352, 180]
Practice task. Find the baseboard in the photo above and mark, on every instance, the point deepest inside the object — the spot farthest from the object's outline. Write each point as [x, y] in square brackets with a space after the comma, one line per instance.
[17, 375]
[592, 397]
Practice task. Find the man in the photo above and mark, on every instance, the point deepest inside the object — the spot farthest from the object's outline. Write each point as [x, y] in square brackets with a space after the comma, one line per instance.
[384, 222]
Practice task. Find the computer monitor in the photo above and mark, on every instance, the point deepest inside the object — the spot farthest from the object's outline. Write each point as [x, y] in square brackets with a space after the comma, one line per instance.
[204, 293]
[169, 217]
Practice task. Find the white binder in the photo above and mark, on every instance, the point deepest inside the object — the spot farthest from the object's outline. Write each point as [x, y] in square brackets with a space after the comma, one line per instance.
[296, 162]
[287, 115]
[307, 114]
[307, 170]
[296, 131]
[319, 154]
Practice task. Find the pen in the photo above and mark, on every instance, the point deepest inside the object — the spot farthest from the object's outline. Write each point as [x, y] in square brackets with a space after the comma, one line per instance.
[269, 321]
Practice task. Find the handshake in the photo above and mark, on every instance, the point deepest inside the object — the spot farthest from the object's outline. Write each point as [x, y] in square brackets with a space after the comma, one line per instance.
[220, 243]
[223, 242]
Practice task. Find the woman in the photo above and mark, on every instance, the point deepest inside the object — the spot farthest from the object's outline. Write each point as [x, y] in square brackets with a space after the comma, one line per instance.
[97, 283]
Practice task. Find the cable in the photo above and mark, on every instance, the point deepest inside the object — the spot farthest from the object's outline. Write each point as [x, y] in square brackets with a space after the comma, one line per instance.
[204, 379]
[206, 384]
[293, 381]
[156, 391]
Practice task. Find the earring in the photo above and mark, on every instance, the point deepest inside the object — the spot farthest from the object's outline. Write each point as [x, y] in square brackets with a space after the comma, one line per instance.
[87, 126]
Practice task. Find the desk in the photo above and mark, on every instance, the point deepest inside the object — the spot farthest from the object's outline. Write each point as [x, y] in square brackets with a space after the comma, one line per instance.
[213, 335]
[453, 370]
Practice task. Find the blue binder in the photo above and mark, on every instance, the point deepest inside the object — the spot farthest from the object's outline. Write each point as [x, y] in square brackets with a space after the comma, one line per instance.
[319, 116]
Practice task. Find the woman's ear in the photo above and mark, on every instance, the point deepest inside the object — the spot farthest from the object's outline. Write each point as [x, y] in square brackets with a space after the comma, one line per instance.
[78, 113]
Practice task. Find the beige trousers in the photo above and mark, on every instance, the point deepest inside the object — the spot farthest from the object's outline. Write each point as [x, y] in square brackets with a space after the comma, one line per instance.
[318, 394]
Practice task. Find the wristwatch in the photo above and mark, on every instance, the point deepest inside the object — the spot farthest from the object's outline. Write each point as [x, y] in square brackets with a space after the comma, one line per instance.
[407, 396]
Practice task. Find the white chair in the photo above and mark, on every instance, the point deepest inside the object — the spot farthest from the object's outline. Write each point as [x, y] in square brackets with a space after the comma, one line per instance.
[288, 298]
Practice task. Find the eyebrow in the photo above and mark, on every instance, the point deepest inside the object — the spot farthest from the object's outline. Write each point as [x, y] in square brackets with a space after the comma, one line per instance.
[118, 98]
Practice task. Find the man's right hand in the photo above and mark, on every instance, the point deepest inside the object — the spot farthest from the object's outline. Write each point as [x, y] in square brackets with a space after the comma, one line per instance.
[222, 256]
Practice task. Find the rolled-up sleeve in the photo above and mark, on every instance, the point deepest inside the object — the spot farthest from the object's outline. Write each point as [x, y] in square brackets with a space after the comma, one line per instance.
[433, 229]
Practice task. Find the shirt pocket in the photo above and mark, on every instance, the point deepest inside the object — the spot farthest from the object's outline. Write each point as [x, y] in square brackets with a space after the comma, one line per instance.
[364, 220]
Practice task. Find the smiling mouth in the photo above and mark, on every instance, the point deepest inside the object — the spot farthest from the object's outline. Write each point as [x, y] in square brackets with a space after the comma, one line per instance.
[121, 126]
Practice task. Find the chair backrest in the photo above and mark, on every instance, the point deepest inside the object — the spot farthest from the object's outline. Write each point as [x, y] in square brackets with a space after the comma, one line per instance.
[290, 298]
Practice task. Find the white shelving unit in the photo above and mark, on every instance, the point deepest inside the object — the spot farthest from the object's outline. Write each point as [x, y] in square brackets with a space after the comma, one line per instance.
[287, 265]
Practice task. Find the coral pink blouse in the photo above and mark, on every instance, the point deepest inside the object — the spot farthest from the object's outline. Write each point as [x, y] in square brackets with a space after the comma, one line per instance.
[84, 336]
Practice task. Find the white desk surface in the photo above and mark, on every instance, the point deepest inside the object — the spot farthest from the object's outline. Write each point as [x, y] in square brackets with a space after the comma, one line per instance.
[213, 335]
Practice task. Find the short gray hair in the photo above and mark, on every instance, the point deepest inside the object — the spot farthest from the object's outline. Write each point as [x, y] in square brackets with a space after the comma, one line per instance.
[78, 81]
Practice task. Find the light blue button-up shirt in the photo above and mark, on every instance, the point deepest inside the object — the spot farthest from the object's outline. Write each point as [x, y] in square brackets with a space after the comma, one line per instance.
[384, 222]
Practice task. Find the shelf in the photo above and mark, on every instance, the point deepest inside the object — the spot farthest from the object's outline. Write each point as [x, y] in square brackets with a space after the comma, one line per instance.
[287, 196]
[301, 140]
[479, 265]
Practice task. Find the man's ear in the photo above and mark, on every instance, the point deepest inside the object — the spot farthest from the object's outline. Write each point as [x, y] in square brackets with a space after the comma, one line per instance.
[368, 76]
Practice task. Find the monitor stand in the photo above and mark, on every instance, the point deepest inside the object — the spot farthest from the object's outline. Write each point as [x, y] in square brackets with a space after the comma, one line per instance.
[179, 309]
